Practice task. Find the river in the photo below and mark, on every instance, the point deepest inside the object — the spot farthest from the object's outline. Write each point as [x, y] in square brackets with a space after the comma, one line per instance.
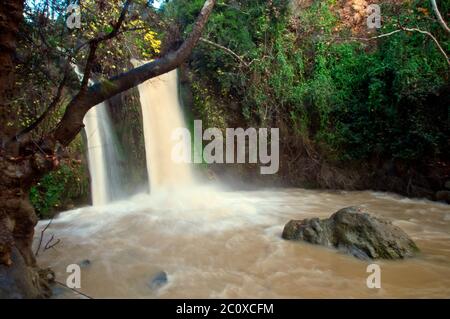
[219, 243]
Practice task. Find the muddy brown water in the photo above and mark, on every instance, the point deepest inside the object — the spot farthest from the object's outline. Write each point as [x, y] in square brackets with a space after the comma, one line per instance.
[222, 244]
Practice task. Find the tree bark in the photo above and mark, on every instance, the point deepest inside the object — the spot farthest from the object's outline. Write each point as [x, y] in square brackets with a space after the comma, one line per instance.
[11, 15]
[20, 277]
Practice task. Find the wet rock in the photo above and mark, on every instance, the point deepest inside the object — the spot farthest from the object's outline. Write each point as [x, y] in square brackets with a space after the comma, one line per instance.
[355, 232]
[19, 281]
[159, 280]
[85, 263]
[47, 274]
[58, 291]
[443, 196]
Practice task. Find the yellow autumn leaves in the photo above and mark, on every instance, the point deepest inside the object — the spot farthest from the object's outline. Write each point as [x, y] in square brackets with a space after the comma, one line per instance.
[151, 42]
[155, 44]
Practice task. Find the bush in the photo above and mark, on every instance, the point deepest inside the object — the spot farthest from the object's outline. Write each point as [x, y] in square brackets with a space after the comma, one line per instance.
[57, 189]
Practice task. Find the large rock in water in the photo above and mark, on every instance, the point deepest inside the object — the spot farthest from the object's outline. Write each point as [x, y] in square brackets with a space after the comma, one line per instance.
[19, 281]
[356, 232]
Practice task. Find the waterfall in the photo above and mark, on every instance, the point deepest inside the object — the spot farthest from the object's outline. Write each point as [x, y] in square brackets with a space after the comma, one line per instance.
[103, 154]
[161, 112]
[95, 157]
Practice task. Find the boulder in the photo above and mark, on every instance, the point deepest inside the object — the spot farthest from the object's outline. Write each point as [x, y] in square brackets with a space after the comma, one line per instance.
[355, 232]
[19, 281]
[85, 263]
[158, 280]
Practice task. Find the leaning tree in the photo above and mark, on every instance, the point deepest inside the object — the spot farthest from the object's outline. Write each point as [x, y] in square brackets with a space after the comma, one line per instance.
[25, 159]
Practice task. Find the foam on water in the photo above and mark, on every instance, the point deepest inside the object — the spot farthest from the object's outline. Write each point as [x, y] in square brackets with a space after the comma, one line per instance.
[218, 243]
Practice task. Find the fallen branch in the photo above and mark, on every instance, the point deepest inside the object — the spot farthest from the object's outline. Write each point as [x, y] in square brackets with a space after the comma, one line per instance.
[74, 290]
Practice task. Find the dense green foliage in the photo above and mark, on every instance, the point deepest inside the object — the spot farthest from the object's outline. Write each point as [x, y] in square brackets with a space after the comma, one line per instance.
[351, 98]
[59, 190]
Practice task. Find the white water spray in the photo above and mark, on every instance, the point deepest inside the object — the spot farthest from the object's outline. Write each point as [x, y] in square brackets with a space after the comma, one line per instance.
[161, 112]
[103, 155]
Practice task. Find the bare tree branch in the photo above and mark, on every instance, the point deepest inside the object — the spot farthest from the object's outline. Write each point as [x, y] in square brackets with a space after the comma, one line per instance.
[409, 30]
[49, 244]
[93, 45]
[432, 37]
[72, 121]
[42, 237]
[439, 16]
[52, 106]
[227, 50]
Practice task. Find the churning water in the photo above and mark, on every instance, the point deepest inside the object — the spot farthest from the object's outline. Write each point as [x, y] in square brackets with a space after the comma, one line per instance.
[219, 243]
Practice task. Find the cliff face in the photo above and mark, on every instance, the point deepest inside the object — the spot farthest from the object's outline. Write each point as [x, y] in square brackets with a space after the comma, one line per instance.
[314, 78]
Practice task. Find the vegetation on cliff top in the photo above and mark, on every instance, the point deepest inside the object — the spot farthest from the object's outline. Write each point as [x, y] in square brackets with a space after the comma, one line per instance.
[352, 97]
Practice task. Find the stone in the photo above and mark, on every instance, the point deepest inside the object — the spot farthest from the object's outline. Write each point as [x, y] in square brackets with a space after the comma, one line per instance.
[19, 281]
[356, 232]
[158, 280]
[85, 263]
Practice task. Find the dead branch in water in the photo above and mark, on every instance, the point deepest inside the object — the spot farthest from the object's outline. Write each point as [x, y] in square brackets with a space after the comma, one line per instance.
[42, 237]
[74, 290]
[49, 244]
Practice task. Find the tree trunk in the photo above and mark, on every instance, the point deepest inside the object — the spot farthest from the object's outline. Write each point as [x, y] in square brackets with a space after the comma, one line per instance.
[19, 275]
[11, 15]
[20, 168]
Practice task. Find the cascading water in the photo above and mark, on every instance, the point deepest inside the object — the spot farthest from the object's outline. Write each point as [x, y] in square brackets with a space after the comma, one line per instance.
[213, 243]
[106, 184]
[95, 157]
[161, 112]
[103, 155]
